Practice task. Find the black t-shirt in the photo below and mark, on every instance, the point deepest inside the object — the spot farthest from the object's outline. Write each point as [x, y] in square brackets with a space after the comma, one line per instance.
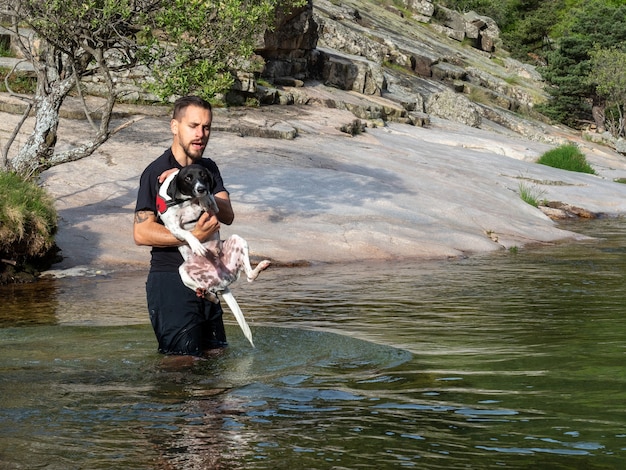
[167, 259]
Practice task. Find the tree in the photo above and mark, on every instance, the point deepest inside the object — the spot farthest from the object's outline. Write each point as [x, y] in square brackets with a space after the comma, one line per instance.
[528, 29]
[609, 78]
[574, 98]
[191, 46]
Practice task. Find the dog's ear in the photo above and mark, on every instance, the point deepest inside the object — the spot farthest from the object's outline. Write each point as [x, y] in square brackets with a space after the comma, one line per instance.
[172, 189]
[208, 177]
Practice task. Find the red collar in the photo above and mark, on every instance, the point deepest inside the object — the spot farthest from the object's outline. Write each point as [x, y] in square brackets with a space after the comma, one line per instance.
[162, 205]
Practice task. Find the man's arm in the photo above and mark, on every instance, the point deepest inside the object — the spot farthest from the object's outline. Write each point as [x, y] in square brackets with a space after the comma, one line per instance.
[226, 215]
[148, 232]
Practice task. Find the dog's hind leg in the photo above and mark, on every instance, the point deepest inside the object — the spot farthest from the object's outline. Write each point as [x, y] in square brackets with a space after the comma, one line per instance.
[237, 251]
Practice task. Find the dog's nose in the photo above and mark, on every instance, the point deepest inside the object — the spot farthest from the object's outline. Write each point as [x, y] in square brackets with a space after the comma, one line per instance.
[201, 188]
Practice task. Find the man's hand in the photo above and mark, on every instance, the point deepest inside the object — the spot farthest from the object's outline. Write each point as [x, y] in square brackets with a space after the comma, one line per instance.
[207, 225]
[163, 176]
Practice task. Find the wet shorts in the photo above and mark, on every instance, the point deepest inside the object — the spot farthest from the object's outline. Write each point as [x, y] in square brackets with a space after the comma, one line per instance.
[182, 322]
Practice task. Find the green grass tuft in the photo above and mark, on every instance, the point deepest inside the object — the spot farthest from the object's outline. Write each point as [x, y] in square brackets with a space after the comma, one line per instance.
[28, 220]
[530, 194]
[567, 157]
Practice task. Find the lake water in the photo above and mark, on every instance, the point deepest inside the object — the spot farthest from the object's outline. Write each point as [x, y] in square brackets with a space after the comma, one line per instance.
[515, 360]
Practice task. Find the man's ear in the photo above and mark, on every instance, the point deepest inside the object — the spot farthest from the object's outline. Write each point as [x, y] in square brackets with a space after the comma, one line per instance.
[174, 126]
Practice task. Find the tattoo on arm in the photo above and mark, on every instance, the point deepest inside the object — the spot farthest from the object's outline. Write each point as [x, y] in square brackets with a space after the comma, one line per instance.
[142, 216]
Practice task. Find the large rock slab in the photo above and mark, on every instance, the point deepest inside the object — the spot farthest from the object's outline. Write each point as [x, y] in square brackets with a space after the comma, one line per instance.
[398, 191]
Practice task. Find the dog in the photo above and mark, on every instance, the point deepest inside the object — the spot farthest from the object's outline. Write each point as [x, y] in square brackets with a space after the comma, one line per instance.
[210, 267]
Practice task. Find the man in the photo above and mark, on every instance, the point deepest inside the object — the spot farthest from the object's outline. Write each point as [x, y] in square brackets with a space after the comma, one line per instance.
[183, 323]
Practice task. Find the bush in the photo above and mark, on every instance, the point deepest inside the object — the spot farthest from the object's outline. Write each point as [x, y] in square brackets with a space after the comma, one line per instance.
[567, 157]
[28, 220]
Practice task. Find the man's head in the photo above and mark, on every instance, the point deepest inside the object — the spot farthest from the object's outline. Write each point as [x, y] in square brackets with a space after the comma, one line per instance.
[191, 127]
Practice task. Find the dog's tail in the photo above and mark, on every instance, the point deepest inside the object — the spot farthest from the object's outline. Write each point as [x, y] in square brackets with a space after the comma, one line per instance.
[234, 307]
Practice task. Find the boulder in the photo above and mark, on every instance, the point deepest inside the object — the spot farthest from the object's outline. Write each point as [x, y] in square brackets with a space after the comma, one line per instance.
[483, 29]
[450, 19]
[453, 107]
[422, 8]
[354, 73]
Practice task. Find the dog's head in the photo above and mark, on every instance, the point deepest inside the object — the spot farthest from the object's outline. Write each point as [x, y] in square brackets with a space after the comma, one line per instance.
[192, 181]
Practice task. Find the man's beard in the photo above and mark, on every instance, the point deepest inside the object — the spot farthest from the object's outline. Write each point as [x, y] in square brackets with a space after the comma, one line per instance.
[192, 153]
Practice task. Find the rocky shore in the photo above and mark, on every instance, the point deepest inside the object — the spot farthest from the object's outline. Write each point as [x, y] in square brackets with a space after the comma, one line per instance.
[306, 191]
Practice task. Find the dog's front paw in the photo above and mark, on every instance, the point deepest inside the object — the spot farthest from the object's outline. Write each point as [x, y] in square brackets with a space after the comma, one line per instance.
[197, 248]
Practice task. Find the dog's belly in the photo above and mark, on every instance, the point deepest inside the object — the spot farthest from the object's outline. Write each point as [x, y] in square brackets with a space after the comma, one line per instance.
[219, 268]
[210, 273]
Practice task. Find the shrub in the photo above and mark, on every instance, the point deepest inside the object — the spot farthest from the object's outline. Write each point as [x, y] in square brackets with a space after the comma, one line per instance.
[567, 157]
[28, 220]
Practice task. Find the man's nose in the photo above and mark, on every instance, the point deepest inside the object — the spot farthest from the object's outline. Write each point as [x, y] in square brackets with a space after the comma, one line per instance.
[202, 133]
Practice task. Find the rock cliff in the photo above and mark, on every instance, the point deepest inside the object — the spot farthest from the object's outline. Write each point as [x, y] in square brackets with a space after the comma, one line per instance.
[406, 64]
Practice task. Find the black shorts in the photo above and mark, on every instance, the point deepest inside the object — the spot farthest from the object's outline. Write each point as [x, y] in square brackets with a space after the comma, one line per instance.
[182, 322]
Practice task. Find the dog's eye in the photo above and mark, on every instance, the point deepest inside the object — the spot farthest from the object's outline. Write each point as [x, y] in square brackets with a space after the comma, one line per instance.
[188, 178]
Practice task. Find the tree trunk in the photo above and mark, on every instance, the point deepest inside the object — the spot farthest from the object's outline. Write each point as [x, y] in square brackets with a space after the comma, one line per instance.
[597, 111]
[39, 147]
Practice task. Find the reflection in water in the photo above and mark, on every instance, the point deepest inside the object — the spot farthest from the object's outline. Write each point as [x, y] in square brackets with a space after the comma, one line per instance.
[27, 304]
[509, 360]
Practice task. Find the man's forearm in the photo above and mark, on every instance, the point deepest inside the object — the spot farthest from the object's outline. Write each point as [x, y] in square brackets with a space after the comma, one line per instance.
[147, 232]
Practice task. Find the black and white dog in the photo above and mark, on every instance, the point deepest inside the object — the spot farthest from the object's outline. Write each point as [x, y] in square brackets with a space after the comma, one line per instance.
[208, 267]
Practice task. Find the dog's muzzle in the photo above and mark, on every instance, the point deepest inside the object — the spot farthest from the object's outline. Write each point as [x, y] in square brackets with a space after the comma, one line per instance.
[200, 189]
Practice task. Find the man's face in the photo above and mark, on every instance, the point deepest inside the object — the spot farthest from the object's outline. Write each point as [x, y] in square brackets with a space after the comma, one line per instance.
[192, 131]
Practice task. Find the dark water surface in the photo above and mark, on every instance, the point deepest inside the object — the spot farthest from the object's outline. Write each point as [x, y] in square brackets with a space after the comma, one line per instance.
[514, 360]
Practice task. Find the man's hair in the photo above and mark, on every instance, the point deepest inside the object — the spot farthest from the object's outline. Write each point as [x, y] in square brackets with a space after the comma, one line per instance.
[182, 103]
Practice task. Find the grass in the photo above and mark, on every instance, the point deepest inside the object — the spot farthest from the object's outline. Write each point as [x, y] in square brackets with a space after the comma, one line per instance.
[28, 220]
[5, 50]
[19, 82]
[513, 80]
[530, 194]
[567, 157]
[480, 96]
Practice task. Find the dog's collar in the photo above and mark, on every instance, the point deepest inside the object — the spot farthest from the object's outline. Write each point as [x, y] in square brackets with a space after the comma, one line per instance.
[163, 205]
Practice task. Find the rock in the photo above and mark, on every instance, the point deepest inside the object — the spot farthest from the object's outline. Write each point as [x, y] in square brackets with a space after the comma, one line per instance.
[393, 192]
[352, 73]
[350, 40]
[482, 28]
[419, 119]
[447, 72]
[456, 34]
[450, 19]
[421, 7]
[353, 128]
[454, 107]
[558, 210]
[287, 48]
